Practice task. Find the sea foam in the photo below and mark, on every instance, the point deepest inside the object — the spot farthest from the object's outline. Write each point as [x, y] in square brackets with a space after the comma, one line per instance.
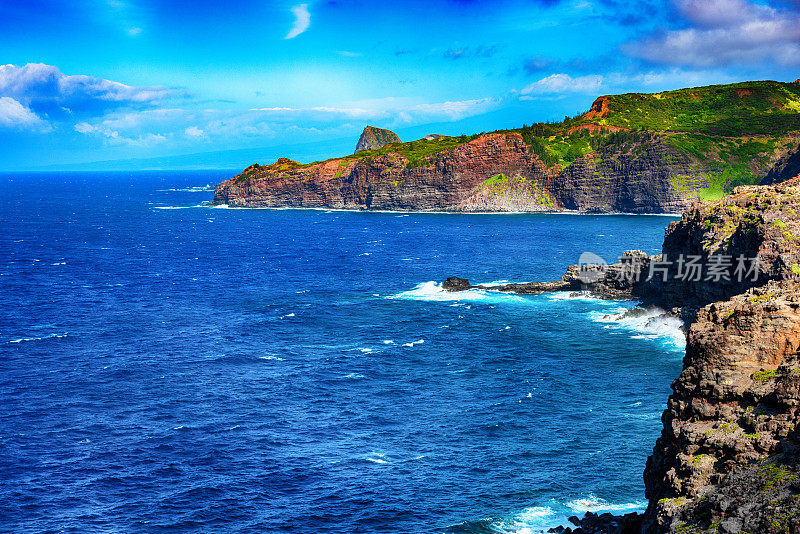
[650, 323]
[432, 291]
[49, 336]
[538, 519]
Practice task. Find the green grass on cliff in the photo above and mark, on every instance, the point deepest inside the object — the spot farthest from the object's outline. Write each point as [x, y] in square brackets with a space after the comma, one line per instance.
[415, 151]
[734, 110]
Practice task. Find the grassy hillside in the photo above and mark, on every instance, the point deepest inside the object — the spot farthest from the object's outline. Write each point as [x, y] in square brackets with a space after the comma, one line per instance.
[735, 131]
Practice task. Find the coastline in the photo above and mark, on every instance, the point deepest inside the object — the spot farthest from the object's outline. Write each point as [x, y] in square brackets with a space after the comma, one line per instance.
[421, 212]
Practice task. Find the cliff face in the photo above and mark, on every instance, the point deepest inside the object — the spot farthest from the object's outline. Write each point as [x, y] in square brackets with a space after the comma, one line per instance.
[785, 168]
[494, 172]
[736, 401]
[373, 138]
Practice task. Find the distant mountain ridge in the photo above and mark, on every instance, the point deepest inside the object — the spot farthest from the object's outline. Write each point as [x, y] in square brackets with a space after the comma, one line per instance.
[640, 153]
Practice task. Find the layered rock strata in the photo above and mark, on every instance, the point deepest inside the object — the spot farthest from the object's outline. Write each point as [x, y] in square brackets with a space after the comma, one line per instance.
[494, 172]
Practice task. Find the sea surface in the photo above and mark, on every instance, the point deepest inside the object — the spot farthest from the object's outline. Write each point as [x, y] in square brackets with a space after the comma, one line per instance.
[166, 367]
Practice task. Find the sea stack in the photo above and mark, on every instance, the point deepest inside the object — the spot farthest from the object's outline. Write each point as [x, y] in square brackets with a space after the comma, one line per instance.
[373, 138]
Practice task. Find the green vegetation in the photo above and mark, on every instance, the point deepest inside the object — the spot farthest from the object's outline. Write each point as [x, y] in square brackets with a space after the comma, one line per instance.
[724, 428]
[416, 152]
[774, 475]
[734, 110]
[500, 184]
[763, 376]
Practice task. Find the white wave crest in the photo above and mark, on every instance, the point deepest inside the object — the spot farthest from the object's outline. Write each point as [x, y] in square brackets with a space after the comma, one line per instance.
[651, 323]
[195, 189]
[49, 336]
[180, 207]
[432, 291]
[538, 519]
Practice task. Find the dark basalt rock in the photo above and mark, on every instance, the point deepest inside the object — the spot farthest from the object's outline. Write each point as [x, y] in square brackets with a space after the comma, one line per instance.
[455, 283]
[785, 168]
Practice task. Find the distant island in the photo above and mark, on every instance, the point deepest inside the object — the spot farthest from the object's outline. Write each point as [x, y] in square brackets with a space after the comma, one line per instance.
[633, 153]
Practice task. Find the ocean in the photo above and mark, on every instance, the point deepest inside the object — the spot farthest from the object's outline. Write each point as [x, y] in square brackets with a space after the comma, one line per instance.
[168, 367]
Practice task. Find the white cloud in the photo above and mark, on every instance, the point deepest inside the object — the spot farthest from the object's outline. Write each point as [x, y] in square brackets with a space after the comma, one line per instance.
[562, 83]
[302, 20]
[114, 138]
[399, 110]
[14, 114]
[725, 32]
[133, 32]
[194, 131]
[46, 91]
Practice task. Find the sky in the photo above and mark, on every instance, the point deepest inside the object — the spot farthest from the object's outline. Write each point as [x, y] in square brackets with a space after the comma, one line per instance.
[210, 83]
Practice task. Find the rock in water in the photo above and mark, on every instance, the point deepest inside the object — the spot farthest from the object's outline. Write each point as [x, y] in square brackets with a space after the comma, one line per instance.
[373, 138]
[455, 283]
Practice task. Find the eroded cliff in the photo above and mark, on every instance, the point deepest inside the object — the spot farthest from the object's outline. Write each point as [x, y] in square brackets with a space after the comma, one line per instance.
[492, 172]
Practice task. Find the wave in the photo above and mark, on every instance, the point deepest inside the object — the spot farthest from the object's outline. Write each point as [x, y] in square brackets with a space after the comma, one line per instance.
[196, 189]
[433, 292]
[649, 323]
[49, 336]
[574, 295]
[538, 519]
[180, 207]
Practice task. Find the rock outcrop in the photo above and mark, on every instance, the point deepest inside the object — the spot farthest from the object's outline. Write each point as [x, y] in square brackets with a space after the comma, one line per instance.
[373, 138]
[494, 172]
[737, 399]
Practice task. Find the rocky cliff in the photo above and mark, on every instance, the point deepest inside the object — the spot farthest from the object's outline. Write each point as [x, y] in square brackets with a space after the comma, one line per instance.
[492, 172]
[373, 138]
[786, 167]
[736, 402]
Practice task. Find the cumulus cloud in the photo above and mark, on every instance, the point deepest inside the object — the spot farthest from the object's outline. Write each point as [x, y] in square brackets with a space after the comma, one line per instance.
[302, 20]
[724, 32]
[48, 92]
[562, 83]
[14, 114]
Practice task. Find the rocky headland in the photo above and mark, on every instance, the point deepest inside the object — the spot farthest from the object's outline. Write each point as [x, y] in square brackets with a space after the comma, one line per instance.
[633, 153]
[728, 457]
[373, 138]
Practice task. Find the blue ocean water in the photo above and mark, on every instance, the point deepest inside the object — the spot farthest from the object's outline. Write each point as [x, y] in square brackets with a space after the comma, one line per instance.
[169, 368]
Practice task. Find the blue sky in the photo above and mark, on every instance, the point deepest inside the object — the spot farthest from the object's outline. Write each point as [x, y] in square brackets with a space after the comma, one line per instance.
[127, 79]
